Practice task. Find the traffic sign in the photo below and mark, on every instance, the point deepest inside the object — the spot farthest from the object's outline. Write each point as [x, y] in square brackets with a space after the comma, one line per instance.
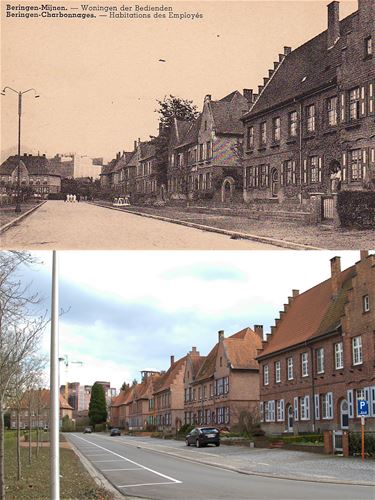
[362, 408]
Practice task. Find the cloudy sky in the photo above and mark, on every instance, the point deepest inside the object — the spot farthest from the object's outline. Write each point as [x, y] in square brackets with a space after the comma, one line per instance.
[129, 311]
[99, 79]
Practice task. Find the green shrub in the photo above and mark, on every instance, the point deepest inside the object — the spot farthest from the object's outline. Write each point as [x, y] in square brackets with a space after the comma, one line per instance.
[355, 443]
[301, 438]
[100, 427]
[67, 424]
[356, 209]
[185, 429]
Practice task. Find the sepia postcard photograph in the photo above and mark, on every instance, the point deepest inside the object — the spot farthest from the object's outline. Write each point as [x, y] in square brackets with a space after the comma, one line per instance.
[162, 335]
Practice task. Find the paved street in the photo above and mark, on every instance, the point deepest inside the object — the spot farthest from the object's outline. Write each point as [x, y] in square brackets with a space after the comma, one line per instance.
[59, 225]
[154, 474]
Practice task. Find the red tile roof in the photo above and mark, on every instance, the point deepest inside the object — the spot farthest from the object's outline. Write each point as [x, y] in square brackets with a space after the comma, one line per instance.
[44, 395]
[167, 378]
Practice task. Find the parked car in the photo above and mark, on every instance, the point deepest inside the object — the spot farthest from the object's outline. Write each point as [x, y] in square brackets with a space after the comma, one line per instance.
[115, 432]
[87, 430]
[121, 202]
[202, 436]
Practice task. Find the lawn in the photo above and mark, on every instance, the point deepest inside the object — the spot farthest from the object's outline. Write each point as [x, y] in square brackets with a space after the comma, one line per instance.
[8, 213]
[75, 482]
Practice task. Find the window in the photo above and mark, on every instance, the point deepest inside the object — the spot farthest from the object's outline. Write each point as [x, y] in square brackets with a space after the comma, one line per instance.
[289, 172]
[201, 152]
[265, 375]
[368, 46]
[205, 125]
[250, 138]
[339, 356]
[354, 104]
[357, 350]
[362, 394]
[304, 364]
[293, 124]
[332, 111]
[226, 385]
[280, 416]
[305, 408]
[356, 164]
[263, 133]
[327, 405]
[277, 372]
[290, 368]
[276, 129]
[320, 360]
[310, 118]
[366, 303]
[314, 175]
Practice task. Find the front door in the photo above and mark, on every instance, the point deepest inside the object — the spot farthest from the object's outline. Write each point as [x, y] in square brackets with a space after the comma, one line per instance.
[290, 418]
[344, 414]
[274, 182]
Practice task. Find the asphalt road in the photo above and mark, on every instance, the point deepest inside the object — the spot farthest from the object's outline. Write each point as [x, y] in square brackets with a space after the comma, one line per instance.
[81, 226]
[148, 474]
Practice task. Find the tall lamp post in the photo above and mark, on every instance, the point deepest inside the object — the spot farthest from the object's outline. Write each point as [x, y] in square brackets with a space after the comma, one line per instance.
[20, 94]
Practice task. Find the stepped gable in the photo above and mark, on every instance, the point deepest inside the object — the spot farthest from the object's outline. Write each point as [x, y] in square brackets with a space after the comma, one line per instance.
[167, 378]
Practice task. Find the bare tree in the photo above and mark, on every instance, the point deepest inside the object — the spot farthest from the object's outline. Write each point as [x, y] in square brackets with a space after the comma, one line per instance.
[21, 329]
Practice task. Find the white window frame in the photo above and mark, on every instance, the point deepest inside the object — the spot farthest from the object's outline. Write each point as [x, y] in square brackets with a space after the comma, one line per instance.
[327, 407]
[277, 372]
[266, 375]
[366, 303]
[271, 410]
[339, 356]
[304, 364]
[295, 408]
[320, 360]
[280, 413]
[290, 368]
[357, 350]
[317, 406]
[310, 118]
[350, 399]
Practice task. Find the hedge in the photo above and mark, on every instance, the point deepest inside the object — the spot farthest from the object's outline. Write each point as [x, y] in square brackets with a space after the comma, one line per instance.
[355, 443]
[356, 209]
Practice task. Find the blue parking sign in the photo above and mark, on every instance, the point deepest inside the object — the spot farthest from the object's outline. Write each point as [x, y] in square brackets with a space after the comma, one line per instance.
[362, 407]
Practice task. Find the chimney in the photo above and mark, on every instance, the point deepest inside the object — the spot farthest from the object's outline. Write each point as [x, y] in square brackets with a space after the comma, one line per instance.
[335, 275]
[287, 51]
[258, 329]
[207, 98]
[248, 95]
[220, 335]
[160, 128]
[135, 145]
[333, 32]
[172, 360]
[194, 351]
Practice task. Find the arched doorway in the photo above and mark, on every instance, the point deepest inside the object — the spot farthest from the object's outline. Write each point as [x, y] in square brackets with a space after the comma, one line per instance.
[274, 182]
[290, 418]
[227, 190]
[344, 414]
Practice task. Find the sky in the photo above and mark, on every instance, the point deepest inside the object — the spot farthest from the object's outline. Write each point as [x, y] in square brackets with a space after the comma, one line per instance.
[124, 312]
[99, 80]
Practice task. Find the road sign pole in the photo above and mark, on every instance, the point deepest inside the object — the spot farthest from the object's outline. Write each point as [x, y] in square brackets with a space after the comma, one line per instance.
[363, 437]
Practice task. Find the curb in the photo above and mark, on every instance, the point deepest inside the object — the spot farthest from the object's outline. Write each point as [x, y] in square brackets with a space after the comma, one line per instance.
[261, 474]
[99, 479]
[18, 219]
[233, 234]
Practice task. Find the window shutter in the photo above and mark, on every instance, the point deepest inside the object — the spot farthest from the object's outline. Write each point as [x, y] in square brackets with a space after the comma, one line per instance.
[267, 176]
[296, 408]
[362, 101]
[256, 176]
[294, 172]
[282, 180]
[261, 409]
[307, 403]
[330, 404]
[317, 406]
[350, 403]
[282, 411]
[365, 161]
[305, 171]
[319, 169]
[367, 395]
[344, 167]
[372, 401]
[371, 99]
[342, 106]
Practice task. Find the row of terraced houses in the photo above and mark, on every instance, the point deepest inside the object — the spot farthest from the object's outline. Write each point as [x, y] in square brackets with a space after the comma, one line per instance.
[306, 375]
[313, 118]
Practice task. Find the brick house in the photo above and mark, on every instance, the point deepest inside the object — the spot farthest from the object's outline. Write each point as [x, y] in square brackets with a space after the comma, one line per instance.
[168, 397]
[318, 360]
[36, 173]
[218, 387]
[314, 115]
[34, 408]
[119, 409]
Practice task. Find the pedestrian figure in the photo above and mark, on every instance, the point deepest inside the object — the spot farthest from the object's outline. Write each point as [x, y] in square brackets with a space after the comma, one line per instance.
[78, 197]
[74, 198]
[66, 198]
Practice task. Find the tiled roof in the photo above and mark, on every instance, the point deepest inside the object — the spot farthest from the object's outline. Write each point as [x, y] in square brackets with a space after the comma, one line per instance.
[207, 369]
[191, 134]
[123, 161]
[147, 150]
[123, 398]
[311, 314]
[44, 395]
[227, 113]
[107, 169]
[166, 379]
[36, 165]
[305, 69]
[241, 350]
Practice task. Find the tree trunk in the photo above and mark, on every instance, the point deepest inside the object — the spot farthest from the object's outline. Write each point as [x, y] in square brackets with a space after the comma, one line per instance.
[18, 446]
[2, 454]
[37, 430]
[30, 433]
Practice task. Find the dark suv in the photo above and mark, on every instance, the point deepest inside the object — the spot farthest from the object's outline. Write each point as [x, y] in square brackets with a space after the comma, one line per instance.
[202, 436]
[115, 432]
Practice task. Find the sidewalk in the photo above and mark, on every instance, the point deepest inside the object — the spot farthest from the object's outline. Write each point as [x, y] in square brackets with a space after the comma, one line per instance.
[321, 236]
[277, 463]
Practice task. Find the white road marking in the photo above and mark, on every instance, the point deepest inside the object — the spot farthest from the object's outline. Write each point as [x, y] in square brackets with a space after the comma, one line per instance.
[261, 463]
[112, 470]
[131, 461]
[100, 461]
[144, 484]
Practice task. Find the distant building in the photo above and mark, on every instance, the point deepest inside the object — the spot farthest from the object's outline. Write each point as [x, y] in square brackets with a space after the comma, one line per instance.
[36, 173]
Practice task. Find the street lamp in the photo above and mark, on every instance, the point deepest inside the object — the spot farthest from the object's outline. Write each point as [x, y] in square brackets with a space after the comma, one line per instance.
[20, 94]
